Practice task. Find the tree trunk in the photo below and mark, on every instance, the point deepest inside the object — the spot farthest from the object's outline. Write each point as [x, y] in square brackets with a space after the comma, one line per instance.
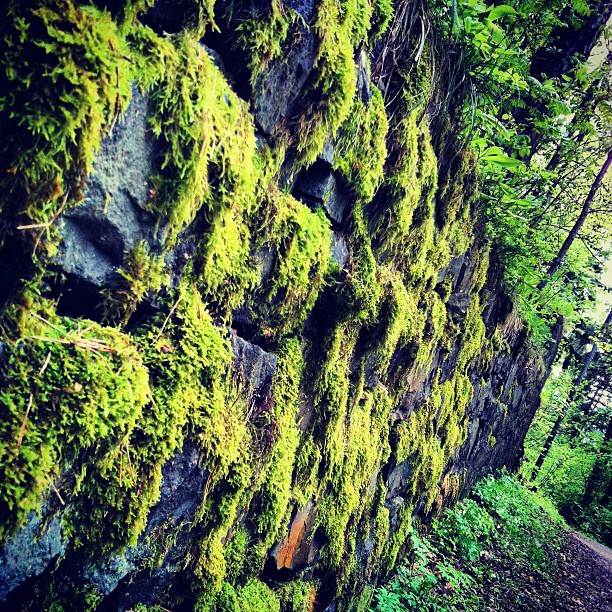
[555, 264]
[598, 474]
[572, 396]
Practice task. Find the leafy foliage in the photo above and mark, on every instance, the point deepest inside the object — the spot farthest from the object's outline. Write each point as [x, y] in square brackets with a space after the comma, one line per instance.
[501, 528]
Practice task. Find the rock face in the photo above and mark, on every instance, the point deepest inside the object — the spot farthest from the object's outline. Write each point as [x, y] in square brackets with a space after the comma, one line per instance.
[320, 354]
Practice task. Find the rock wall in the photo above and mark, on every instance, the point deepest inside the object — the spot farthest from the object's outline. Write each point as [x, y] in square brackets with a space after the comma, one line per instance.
[251, 327]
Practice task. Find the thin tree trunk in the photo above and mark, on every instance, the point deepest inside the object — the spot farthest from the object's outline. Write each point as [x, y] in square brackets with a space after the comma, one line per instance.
[555, 264]
[599, 471]
[572, 396]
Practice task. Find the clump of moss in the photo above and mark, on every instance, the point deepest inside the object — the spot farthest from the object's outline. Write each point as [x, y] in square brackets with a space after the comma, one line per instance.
[301, 240]
[67, 78]
[272, 498]
[356, 426]
[72, 390]
[340, 27]
[382, 14]
[141, 274]
[209, 167]
[361, 149]
[208, 136]
[263, 35]
[402, 319]
[361, 291]
[403, 215]
[297, 596]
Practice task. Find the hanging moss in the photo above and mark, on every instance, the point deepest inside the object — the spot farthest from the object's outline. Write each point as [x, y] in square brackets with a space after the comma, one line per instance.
[67, 78]
[356, 425]
[141, 274]
[271, 501]
[362, 291]
[208, 135]
[361, 149]
[263, 35]
[382, 14]
[301, 240]
[73, 390]
[340, 28]
[403, 321]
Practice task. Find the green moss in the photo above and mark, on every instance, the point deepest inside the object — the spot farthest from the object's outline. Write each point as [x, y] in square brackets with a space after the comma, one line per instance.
[340, 28]
[381, 19]
[301, 240]
[406, 201]
[361, 292]
[263, 35]
[402, 320]
[308, 460]
[356, 425]
[361, 151]
[271, 501]
[72, 390]
[256, 596]
[141, 274]
[208, 135]
[297, 596]
[67, 78]
[208, 166]
[434, 329]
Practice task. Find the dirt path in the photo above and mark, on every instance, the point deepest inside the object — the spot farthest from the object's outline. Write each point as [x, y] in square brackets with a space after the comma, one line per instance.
[584, 578]
[600, 549]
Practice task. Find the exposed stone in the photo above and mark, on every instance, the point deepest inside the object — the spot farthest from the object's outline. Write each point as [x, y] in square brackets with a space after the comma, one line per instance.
[318, 186]
[253, 367]
[340, 253]
[115, 214]
[457, 305]
[399, 479]
[278, 88]
[297, 549]
[363, 78]
[30, 550]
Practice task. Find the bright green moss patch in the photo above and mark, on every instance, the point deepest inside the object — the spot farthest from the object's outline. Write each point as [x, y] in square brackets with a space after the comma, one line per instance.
[301, 240]
[402, 320]
[263, 35]
[361, 149]
[141, 274]
[340, 28]
[272, 498]
[208, 136]
[72, 390]
[297, 596]
[66, 80]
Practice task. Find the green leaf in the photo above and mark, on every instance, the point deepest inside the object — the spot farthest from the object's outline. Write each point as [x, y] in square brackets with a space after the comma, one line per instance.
[501, 11]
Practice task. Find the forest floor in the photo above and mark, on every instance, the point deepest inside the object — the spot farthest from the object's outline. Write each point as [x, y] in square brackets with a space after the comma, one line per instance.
[582, 581]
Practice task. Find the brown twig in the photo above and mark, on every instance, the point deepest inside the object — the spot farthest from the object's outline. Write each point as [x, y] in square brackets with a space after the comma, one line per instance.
[45, 226]
[23, 424]
[45, 363]
[174, 307]
[57, 493]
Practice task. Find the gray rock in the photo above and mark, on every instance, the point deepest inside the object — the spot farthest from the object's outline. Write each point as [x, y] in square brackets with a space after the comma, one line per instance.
[114, 215]
[278, 88]
[318, 186]
[252, 365]
[30, 550]
[399, 479]
[340, 253]
[364, 90]
[457, 305]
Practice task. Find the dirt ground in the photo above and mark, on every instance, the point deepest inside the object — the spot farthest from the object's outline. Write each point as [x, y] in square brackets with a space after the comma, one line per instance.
[585, 576]
[582, 582]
